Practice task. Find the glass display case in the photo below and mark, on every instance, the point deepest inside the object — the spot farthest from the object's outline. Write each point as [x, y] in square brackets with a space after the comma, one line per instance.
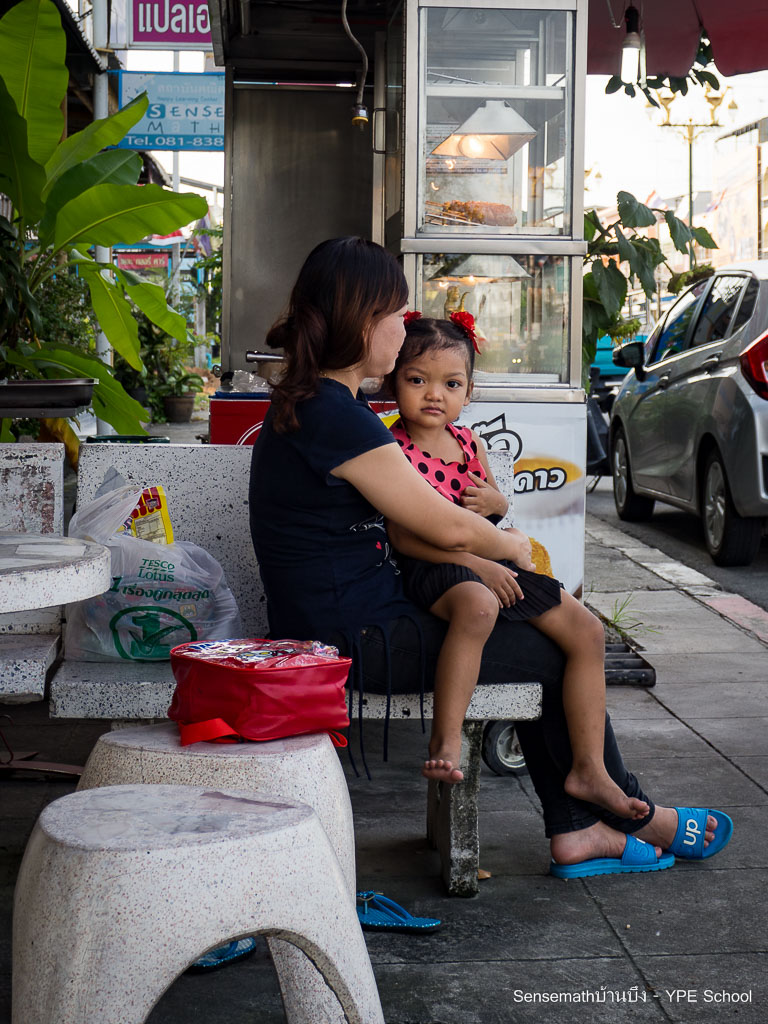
[494, 135]
[521, 308]
[486, 101]
[484, 202]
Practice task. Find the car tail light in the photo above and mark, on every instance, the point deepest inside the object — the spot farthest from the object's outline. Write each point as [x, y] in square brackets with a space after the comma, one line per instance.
[754, 365]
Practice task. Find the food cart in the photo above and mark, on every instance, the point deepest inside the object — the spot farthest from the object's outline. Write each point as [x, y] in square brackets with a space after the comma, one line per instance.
[469, 166]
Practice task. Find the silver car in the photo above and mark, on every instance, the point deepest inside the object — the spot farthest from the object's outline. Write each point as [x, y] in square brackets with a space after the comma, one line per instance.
[689, 426]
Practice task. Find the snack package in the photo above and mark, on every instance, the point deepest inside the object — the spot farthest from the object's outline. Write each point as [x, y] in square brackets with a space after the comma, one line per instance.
[162, 594]
[149, 520]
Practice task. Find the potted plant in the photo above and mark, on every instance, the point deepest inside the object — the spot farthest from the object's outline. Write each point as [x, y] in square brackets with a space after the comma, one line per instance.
[68, 196]
[178, 392]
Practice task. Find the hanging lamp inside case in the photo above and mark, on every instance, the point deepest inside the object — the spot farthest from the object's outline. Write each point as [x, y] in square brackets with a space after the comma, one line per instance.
[493, 132]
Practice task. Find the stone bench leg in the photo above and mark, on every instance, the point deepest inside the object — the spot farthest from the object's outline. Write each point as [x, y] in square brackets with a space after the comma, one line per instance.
[124, 887]
[303, 768]
[452, 818]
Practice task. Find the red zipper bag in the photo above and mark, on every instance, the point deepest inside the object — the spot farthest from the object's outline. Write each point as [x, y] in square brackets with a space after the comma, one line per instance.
[232, 690]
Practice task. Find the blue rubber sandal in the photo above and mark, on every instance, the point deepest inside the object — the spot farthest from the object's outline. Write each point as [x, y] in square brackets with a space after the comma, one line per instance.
[689, 838]
[223, 956]
[638, 856]
[376, 913]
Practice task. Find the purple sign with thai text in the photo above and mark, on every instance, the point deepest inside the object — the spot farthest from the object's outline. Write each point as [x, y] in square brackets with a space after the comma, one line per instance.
[170, 25]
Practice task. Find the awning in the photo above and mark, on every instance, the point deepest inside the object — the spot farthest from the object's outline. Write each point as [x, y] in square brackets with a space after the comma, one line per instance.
[737, 29]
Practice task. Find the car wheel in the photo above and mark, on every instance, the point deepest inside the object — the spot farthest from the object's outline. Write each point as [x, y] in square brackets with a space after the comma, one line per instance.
[731, 539]
[501, 749]
[631, 507]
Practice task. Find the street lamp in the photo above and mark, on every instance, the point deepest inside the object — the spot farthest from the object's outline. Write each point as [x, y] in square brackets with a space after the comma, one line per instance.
[692, 127]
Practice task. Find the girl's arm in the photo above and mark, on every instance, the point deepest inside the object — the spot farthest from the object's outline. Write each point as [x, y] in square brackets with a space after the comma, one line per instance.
[386, 478]
[484, 496]
[497, 578]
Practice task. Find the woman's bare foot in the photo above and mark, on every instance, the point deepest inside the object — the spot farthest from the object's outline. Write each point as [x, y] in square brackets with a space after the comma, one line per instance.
[662, 827]
[596, 841]
[594, 785]
[440, 767]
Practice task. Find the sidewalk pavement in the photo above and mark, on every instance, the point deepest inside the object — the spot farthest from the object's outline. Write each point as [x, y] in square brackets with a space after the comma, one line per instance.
[687, 944]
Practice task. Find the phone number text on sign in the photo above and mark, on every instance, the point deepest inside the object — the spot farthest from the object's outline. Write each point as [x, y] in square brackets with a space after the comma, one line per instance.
[186, 111]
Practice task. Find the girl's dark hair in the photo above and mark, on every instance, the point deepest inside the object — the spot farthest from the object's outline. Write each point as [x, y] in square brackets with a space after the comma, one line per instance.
[428, 335]
[344, 287]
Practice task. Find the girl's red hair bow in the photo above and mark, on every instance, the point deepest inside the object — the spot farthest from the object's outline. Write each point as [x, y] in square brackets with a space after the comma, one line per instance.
[466, 322]
[412, 314]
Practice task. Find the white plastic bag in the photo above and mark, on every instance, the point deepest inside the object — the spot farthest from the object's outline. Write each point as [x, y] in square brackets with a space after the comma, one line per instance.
[161, 595]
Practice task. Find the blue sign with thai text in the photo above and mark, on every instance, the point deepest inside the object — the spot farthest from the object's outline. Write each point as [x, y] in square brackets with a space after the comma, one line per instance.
[186, 110]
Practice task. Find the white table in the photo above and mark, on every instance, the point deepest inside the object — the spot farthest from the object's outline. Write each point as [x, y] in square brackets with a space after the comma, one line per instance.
[42, 570]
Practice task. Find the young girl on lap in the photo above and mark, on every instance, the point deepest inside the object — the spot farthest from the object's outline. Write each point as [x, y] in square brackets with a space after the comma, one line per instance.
[432, 382]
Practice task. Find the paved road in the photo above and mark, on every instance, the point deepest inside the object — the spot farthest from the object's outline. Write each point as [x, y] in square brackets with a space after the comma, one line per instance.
[680, 536]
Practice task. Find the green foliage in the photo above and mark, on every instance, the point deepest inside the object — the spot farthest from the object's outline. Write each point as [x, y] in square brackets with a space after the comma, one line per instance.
[163, 371]
[67, 197]
[678, 282]
[605, 286]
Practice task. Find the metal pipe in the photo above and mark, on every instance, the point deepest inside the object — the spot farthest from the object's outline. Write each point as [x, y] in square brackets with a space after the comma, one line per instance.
[101, 110]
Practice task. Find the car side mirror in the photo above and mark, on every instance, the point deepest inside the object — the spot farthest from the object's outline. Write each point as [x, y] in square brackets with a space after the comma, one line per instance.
[632, 356]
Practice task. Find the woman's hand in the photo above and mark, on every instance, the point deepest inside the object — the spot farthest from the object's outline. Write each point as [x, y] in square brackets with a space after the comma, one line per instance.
[524, 554]
[481, 497]
[500, 580]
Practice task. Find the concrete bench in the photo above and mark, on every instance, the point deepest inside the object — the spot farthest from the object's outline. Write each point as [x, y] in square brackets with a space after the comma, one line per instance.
[207, 490]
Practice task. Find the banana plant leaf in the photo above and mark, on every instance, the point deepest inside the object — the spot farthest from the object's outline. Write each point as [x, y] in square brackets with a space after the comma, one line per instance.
[21, 178]
[93, 138]
[114, 314]
[151, 300]
[110, 214]
[112, 167]
[33, 48]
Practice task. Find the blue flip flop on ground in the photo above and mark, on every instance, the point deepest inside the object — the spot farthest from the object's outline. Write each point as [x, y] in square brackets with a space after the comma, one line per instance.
[223, 956]
[377, 913]
[637, 856]
[689, 838]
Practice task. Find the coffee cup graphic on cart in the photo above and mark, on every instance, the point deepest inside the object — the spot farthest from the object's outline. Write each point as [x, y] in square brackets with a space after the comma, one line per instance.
[550, 486]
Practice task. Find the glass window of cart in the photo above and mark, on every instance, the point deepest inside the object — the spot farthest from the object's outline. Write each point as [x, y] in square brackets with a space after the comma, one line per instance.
[521, 308]
[495, 130]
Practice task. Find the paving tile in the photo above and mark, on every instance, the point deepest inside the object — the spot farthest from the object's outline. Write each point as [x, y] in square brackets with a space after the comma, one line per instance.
[562, 991]
[697, 782]
[748, 735]
[634, 702]
[705, 988]
[724, 669]
[511, 919]
[731, 701]
[657, 924]
[665, 737]
[756, 768]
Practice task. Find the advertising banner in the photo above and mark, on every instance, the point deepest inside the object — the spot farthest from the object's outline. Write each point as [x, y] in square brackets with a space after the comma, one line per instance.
[186, 110]
[142, 260]
[548, 441]
[166, 25]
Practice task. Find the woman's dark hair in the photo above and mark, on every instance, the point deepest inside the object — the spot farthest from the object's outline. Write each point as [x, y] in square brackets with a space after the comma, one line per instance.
[344, 287]
[428, 335]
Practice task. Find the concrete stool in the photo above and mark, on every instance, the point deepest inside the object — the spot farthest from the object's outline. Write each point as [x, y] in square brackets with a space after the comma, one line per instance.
[122, 888]
[305, 769]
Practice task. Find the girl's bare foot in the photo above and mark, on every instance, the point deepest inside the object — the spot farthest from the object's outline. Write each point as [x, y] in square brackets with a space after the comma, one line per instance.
[441, 768]
[596, 841]
[662, 827]
[594, 785]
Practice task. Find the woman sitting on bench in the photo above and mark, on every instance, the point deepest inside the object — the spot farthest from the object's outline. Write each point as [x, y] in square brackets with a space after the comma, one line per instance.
[326, 472]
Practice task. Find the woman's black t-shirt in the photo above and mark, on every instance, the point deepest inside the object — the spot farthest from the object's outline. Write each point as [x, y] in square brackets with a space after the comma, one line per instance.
[324, 557]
